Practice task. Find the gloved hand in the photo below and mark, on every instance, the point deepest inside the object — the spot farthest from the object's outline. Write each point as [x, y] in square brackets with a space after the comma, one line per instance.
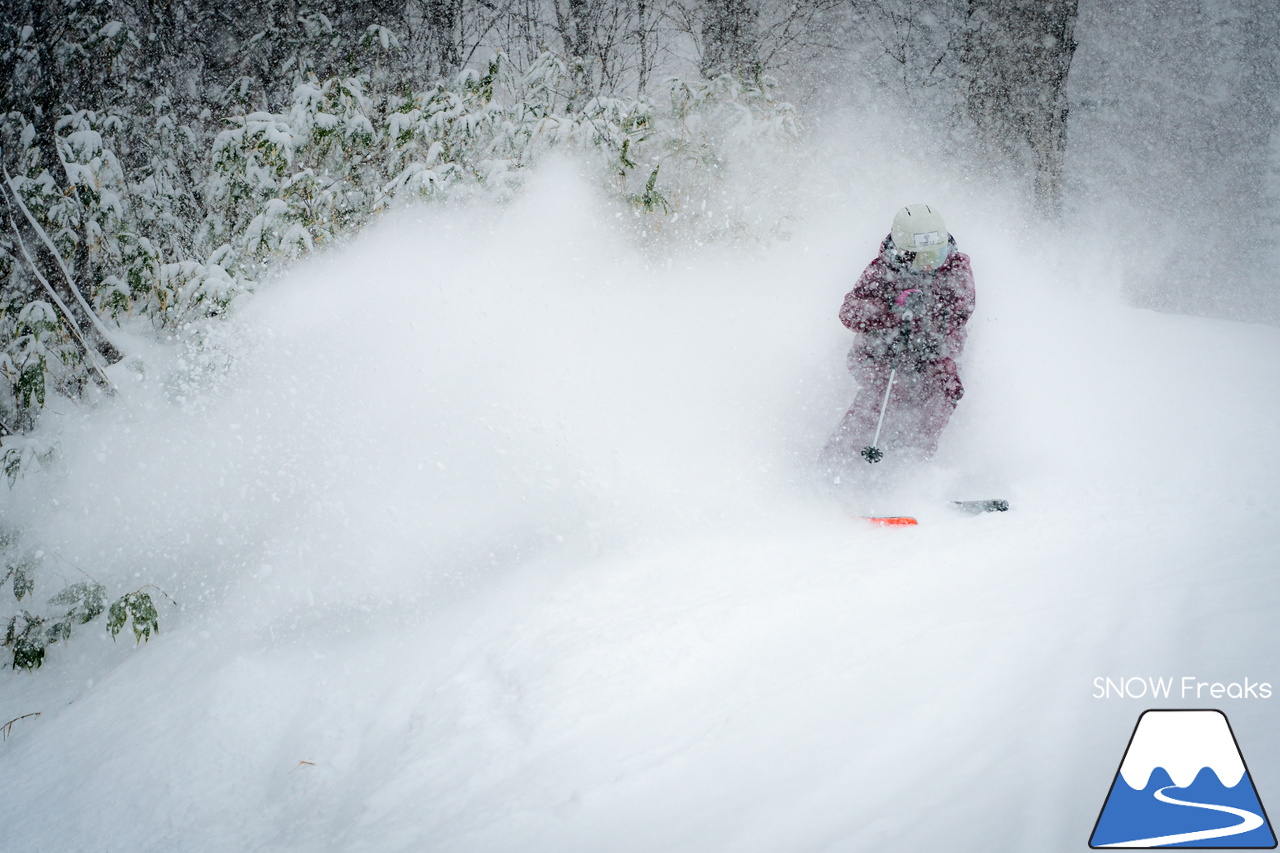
[915, 343]
[909, 304]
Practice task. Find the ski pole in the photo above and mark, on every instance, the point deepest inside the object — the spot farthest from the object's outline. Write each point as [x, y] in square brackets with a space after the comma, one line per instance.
[872, 453]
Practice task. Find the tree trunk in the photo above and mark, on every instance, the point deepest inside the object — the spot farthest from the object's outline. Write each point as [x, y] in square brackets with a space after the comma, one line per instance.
[729, 38]
[1017, 54]
[442, 19]
[579, 29]
[47, 103]
[645, 60]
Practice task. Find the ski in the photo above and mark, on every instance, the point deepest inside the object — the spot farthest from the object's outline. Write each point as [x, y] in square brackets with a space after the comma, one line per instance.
[890, 520]
[977, 507]
[969, 507]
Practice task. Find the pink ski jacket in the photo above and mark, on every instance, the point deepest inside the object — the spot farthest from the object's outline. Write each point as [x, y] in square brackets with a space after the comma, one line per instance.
[875, 308]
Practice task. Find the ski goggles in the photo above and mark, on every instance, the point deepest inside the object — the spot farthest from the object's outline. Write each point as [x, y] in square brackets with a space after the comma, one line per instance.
[918, 260]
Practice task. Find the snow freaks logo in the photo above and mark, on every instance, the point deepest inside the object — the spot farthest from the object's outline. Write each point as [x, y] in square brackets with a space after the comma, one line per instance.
[1182, 783]
[1188, 687]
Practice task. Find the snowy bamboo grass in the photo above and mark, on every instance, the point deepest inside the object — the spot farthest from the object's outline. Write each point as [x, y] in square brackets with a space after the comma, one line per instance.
[279, 185]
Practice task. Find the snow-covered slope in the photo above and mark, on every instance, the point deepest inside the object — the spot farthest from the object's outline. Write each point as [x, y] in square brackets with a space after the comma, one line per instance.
[500, 538]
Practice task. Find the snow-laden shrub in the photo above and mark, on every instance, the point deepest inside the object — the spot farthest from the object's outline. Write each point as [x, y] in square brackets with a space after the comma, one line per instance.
[155, 221]
[171, 242]
[284, 183]
[28, 635]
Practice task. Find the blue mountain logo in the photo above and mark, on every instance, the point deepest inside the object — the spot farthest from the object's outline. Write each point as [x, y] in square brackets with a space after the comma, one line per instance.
[1183, 783]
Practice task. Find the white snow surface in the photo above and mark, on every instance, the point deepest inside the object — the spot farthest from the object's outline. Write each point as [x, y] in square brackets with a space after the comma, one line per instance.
[1183, 743]
[503, 536]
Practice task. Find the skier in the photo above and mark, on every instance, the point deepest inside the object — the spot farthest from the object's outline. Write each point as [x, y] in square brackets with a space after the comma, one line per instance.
[909, 308]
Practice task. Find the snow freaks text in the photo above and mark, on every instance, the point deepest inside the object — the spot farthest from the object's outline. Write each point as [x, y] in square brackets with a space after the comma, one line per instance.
[1186, 687]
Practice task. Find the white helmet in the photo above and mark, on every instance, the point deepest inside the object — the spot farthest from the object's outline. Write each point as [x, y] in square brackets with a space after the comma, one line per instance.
[919, 238]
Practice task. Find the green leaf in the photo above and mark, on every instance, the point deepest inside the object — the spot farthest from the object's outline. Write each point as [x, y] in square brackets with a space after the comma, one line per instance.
[87, 600]
[27, 642]
[12, 465]
[145, 617]
[31, 384]
[623, 159]
[117, 616]
[23, 572]
[137, 608]
[60, 630]
[652, 199]
[23, 583]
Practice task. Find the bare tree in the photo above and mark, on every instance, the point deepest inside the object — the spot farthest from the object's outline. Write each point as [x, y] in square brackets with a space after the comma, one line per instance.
[790, 34]
[911, 44]
[748, 37]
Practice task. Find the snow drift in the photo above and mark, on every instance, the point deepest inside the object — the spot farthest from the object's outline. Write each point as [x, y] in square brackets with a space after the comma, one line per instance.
[501, 535]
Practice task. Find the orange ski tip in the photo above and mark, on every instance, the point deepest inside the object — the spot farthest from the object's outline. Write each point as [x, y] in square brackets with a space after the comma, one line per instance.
[892, 521]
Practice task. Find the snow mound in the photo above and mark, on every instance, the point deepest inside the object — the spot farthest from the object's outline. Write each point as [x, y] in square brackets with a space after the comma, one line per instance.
[503, 536]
